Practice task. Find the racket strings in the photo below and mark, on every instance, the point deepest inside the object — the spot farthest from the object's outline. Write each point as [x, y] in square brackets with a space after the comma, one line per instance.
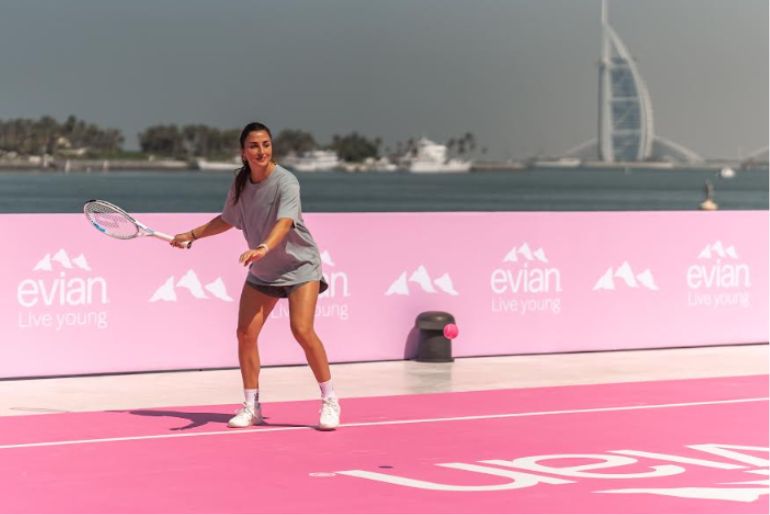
[112, 222]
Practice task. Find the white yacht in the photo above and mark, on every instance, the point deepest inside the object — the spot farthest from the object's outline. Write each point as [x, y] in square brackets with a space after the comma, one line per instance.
[727, 173]
[431, 157]
[562, 162]
[370, 164]
[313, 161]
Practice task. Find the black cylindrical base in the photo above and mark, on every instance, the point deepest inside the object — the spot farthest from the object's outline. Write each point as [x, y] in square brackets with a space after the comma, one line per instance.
[433, 347]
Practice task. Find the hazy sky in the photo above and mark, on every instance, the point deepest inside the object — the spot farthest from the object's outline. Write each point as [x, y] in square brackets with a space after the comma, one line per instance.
[520, 74]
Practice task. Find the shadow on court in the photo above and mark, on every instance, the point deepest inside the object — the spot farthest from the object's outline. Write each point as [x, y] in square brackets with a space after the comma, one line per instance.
[198, 419]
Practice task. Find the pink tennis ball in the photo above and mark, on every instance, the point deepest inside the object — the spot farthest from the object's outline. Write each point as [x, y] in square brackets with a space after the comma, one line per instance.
[451, 331]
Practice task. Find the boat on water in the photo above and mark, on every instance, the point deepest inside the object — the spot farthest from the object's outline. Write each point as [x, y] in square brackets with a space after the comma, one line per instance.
[562, 162]
[370, 164]
[727, 173]
[431, 157]
[218, 166]
[313, 161]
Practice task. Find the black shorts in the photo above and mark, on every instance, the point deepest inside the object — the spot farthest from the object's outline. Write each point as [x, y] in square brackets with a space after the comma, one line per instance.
[282, 292]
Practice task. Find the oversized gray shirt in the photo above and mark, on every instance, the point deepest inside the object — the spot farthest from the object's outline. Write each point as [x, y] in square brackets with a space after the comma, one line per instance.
[296, 259]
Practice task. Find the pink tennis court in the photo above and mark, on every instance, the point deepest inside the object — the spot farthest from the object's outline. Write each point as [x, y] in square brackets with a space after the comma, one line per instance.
[667, 446]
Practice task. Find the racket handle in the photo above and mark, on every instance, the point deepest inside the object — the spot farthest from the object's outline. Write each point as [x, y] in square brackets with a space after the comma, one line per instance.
[169, 238]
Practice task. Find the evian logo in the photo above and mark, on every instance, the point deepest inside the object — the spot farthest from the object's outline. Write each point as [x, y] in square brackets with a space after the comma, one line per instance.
[532, 277]
[627, 275]
[525, 283]
[191, 283]
[721, 271]
[61, 289]
[718, 278]
[422, 278]
[650, 472]
[61, 294]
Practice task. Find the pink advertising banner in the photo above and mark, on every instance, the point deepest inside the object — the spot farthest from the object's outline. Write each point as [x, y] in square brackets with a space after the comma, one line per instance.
[73, 301]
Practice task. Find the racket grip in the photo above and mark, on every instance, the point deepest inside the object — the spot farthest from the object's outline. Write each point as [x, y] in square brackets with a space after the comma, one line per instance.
[169, 238]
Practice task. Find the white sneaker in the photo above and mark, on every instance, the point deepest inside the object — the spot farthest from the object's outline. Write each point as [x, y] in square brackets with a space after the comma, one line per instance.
[246, 416]
[330, 413]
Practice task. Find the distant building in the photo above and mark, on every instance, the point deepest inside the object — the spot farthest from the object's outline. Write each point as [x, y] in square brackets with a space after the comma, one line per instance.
[626, 131]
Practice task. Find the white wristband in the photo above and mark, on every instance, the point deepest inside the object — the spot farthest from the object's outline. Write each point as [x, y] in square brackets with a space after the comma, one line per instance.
[265, 246]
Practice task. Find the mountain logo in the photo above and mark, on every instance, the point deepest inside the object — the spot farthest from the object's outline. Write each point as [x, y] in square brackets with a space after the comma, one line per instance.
[338, 280]
[189, 281]
[717, 250]
[63, 260]
[421, 278]
[525, 252]
[625, 273]
[326, 258]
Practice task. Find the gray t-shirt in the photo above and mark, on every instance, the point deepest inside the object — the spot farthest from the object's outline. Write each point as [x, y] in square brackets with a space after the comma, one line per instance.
[296, 259]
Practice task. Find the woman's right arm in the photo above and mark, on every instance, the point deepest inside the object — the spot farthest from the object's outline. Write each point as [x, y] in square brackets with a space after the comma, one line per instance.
[214, 226]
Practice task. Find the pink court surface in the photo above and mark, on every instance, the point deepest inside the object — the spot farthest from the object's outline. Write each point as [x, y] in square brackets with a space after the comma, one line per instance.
[696, 445]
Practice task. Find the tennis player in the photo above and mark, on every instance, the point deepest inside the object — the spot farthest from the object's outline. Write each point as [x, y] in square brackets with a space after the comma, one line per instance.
[283, 261]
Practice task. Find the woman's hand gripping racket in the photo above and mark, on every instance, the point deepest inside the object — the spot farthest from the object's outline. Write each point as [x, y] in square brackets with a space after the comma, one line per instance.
[113, 221]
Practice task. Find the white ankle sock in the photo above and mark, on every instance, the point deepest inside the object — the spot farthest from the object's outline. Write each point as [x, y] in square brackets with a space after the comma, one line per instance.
[327, 390]
[251, 397]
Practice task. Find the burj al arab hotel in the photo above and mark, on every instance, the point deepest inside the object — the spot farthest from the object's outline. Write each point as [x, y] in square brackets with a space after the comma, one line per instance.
[626, 128]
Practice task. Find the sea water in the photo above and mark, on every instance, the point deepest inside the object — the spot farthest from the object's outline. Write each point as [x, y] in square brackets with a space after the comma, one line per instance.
[576, 189]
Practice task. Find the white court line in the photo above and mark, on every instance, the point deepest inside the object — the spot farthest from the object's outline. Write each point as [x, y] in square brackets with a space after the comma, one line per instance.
[385, 423]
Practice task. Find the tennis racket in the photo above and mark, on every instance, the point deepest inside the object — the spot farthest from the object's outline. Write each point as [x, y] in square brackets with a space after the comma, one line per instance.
[113, 221]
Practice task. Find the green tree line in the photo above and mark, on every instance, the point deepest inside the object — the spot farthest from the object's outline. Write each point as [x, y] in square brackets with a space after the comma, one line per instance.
[353, 147]
[202, 141]
[189, 141]
[48, 136]
[80, 138]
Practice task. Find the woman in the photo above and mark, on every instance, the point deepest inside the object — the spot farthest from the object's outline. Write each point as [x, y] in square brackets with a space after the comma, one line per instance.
[283, 261]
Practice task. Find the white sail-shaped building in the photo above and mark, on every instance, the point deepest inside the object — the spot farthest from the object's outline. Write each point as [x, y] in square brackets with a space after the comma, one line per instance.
[626, 128]
[625, 110]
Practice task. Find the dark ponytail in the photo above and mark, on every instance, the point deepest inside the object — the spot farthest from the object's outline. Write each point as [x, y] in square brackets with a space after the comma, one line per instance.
[243, 174]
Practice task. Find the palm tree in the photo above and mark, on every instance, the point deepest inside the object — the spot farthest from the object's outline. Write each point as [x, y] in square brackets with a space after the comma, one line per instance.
[451, 144]
[296, 141]
[471, 140]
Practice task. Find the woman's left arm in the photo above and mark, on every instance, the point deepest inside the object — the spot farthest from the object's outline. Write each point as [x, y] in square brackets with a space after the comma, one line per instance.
[277, 234]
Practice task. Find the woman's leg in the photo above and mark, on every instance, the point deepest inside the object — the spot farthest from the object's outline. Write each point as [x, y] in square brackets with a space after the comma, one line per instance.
[302, 303]
[254, 309]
